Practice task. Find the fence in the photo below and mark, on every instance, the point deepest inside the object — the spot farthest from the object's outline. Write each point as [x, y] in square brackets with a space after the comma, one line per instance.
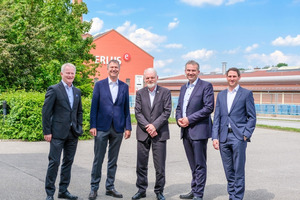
[265, 103]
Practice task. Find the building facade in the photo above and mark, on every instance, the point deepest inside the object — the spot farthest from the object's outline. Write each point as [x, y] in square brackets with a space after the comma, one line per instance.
[133, 60]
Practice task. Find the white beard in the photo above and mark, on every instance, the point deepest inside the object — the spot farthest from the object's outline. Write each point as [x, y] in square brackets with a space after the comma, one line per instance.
[151, 85]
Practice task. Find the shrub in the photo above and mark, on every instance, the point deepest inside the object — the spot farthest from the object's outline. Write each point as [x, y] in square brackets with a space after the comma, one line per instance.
[24, 118]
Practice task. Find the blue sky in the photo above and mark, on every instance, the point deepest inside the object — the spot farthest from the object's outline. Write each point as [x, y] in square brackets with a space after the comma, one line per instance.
[243, 33]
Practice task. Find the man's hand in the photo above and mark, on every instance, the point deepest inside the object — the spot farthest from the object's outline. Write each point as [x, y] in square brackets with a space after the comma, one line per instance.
[150, 128]
[216, 144]
[127, 134]
[153, 134]
[93, 131]
[245, 138]
[48, 137]
[183, 122]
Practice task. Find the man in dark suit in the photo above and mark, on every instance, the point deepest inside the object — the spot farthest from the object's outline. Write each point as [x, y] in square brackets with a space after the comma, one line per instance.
[234, 123]
[62, 124]
[195, 104]
[152, 110]
[109, 118]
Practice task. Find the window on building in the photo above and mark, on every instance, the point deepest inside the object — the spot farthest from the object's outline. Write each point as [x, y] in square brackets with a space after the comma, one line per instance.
[128, 81]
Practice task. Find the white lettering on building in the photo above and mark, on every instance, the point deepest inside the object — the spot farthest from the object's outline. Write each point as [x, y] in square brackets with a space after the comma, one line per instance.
[105, 59]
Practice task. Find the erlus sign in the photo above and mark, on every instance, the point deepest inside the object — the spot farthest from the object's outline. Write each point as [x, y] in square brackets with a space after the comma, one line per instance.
[106, 59]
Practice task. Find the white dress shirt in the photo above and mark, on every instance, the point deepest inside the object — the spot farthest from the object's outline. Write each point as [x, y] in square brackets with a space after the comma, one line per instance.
[187, 95]
[113, 87]
[230, 97]
[152, 95]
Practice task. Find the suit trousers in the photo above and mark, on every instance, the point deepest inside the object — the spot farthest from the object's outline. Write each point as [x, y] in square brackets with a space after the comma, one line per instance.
[196, 154]
[114, 139]
[233, 154]
[159, 160]
[68, 146]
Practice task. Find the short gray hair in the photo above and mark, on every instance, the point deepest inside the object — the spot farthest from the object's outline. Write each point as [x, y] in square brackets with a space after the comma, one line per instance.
[150, 69]
[63, 67]
[192, 62]
[113, 61]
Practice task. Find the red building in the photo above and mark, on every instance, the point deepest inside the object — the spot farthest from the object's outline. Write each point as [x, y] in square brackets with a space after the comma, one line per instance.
[134, 60]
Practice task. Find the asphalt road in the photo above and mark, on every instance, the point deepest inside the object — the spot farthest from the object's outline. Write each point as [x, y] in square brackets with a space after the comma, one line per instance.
[272, 169]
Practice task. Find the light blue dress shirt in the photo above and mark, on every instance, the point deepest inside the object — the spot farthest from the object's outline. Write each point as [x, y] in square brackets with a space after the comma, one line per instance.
[70, 94]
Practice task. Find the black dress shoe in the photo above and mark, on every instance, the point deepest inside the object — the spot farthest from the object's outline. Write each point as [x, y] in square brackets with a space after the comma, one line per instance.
[49, 198]
[66, 195]
[160, 196]
[139, 195]
[114, 193]
[189, 195]
[93, 195]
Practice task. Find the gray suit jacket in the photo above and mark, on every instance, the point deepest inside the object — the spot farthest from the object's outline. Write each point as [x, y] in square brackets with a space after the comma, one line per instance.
[58, 115]
[157, 115]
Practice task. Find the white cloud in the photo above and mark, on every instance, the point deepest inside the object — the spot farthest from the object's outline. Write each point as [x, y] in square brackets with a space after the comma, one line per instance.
[162, 63]
[231, 2]
[96, 25]
[250, 48]
[275, 58]
[173, 24]
[202, 54]
[141, 37]
[287, 41]
[232, 51]
[173, 46]
[202, 2]
[211, 2]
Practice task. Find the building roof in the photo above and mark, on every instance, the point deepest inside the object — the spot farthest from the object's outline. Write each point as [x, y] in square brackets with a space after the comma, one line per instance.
[258, 80]
[99, 35]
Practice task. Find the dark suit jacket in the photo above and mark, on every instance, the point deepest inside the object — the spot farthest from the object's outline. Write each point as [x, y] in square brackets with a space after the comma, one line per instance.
[58, 115]
[157, 115]
[242, 116]
[199, 108]
[104, 112]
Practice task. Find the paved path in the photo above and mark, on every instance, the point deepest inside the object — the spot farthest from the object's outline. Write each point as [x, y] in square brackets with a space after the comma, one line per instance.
[272, 170]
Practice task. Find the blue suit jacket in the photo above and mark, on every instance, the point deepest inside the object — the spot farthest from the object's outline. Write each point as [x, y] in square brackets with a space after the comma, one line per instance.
[104, 112]
[199, 108]
[242, 116]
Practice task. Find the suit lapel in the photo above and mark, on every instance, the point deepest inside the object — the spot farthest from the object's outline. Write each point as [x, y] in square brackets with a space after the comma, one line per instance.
[197, 86]
[236, 98]
[145, 95]
[156, 97]
[75, 96]
[225, 101]
[63, 91]
[106, 85]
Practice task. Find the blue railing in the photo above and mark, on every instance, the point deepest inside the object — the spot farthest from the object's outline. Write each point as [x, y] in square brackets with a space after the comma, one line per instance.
[275, 109]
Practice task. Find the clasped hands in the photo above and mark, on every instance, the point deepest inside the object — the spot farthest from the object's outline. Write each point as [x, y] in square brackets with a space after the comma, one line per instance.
[93, 132]
[183, 122]
[151, 130]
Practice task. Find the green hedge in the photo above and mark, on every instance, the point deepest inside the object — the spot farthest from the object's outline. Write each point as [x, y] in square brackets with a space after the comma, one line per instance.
[24, 118]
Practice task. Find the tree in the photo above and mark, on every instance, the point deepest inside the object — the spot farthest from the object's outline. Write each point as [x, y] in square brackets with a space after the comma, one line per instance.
[37, 37]
[281, 65]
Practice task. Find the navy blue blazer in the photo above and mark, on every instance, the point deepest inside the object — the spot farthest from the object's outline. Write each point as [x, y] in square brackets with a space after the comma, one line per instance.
[242, 115]
[199, 108]
[104, 112]
[57, 114]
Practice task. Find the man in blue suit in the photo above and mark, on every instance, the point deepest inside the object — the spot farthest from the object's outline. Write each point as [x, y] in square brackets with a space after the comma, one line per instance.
[109, 118]
[195, 104]
[234, 123]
